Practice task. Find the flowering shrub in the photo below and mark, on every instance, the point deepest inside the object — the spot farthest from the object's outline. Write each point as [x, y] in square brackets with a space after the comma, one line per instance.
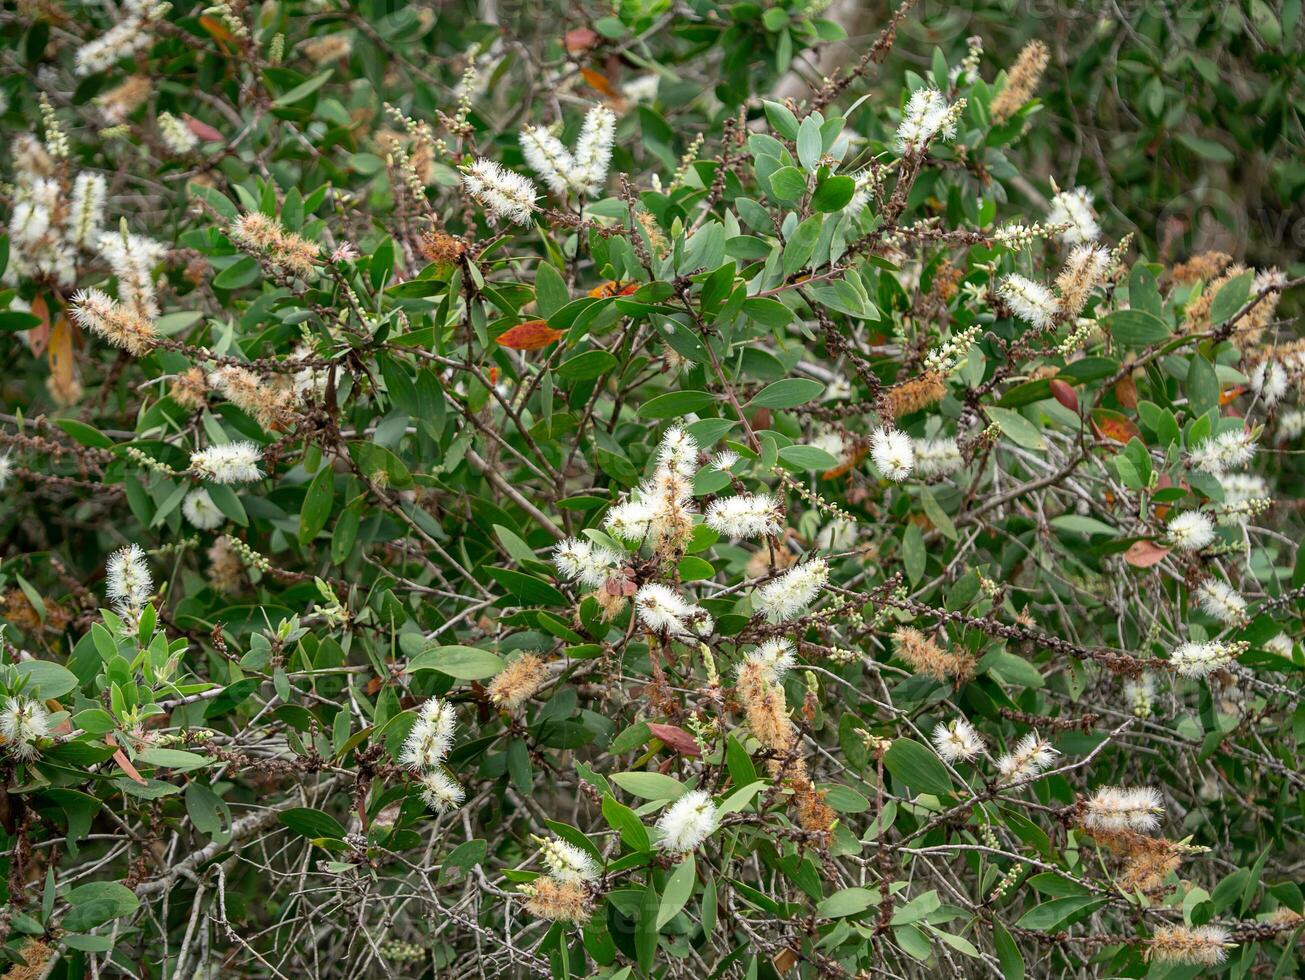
[479, 498]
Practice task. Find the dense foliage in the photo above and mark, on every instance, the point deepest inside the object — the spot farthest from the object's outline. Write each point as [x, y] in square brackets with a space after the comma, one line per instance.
[660, 490]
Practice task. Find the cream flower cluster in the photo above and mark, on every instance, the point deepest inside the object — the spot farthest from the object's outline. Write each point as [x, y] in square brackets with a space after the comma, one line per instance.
[926, 117]
[127, 582]
[687, 823]
[232, 462]
[1030, 756]
[1112, 808]
[48, 226]
[589, 564]
[1074, 209]
[893, 453]
[506, 195]
[663, 610]
[424, 751]
[792, 593]
[580, 173]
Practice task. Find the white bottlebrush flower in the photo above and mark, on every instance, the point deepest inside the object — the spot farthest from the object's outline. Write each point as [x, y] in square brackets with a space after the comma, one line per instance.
[1191, 531]
[893, 453]
[792, 593]
[125, 38]
[1030, 756]
[232, 462]
[1201, 946]
[504, 194]
[1270, 380]
[663, 610]
[866, 183]
[831, 441]
[591, 565]
[593, 150]
[1229, 450]
[86, 216]
[1291, 424]
[1139, 695]
[132, 259]
[6, 469]
[678, 452]
[1281, 645]
[1030, 301]
[1201, 659]
[440, 792]
[926, 116]
[936, 457]
[23, 723]
[176, 135]
[127, 580]
[199, 509]
[548, 157]
[1222, 601]
[724, 460]
[775, 657]
[1113, 808]
[957, 741]
[1244, 496]
[746, 515]
[632, 520]
[1074, 208]
[431, 736]
[687, 822]
[566, 862]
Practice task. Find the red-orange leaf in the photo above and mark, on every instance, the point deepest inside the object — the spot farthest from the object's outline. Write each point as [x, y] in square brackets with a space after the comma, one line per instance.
[1064, 394]
[599, 81]
[580, 40]
[1144, 554]
[1114, 426]
[120, 757]
[842, 469]
[201, 129]
[531, 335]
[676, 738]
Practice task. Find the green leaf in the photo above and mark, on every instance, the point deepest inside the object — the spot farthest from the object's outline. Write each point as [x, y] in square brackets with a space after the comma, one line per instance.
[46, 680]
[627, 823]
[788, 184]
[782, 120]
[673, 404]
[650, 785]
[1231, 297]
[1202, 385]
[808, 141]
[788, 393]
[464, 663]
[1051, 915]
[1021, 431]
[551, 293]
[679, 888]
[847, 901]
[302, 90]
[97, 902]
[1136, 328]
[527, 588]
[833, 193]
[310, 823]
[801, 244]
[918, 767]
[1008, 954]
[808, 458]
[316, 509]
